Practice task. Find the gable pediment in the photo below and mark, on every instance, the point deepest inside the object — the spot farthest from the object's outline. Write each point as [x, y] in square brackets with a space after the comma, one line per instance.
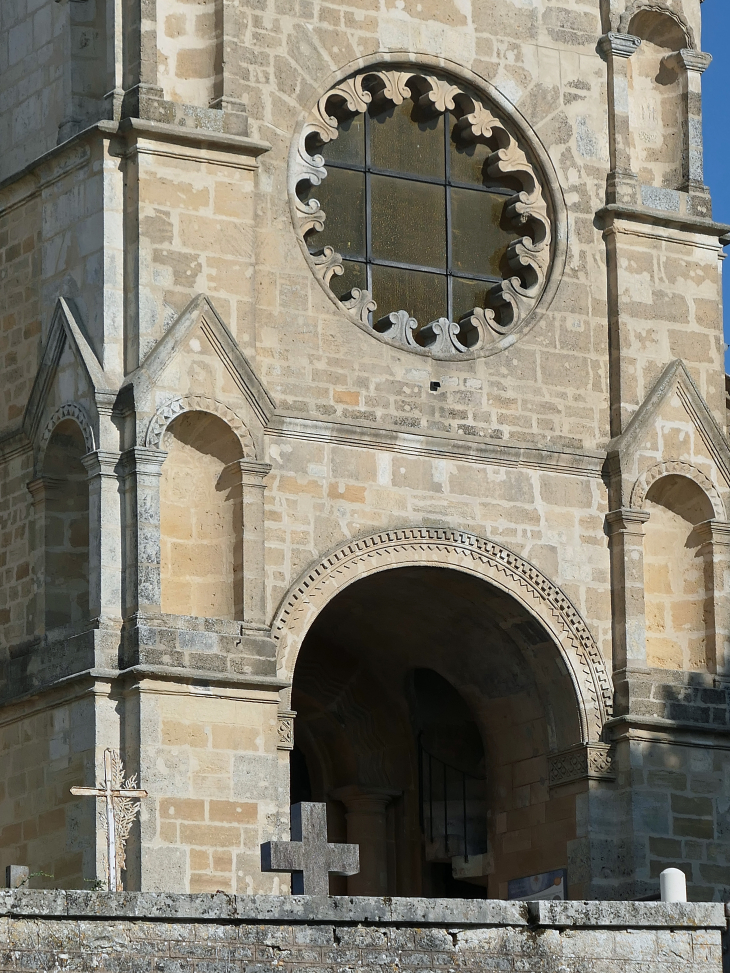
[672, 425]
[69, 372]
[197, 358]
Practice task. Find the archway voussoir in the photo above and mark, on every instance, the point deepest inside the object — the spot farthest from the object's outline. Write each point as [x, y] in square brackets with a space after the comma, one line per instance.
[440, 547]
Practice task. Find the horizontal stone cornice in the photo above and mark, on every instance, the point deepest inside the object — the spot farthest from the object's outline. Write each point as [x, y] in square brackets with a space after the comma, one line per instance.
[434, 445]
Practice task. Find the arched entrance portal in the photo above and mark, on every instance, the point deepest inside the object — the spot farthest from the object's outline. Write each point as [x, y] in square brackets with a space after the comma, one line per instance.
[427, 702]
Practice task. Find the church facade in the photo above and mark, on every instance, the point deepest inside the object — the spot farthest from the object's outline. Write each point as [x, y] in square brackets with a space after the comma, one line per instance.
[363, 441]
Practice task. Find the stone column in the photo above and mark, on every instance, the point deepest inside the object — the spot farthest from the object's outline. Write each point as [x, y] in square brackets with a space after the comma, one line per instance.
[715, 550]
[622, 184]
[691, 65]
[626, 542]
[367, 827]
[105, 535]
[253, 475]
[143, 469]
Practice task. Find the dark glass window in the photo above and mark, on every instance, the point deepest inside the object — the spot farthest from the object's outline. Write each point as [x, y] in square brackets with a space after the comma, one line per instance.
[413, 213]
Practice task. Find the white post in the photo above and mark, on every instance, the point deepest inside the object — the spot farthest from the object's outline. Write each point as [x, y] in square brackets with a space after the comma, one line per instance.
[111, 823]
[673, 885]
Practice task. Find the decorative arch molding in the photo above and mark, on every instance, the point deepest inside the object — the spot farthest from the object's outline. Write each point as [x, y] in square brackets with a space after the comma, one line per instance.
[198, 403]
[676, 468]
[71, 410]
[446, 548]
[654, 6]
[536, 255]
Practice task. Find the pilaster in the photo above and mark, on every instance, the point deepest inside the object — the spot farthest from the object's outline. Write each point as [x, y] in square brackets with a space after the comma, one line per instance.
[367, 826]
[105, 534]
[622, 184]
[715, 550]
[253, 475]
[691, 65]
[626, 545]
[143, 469]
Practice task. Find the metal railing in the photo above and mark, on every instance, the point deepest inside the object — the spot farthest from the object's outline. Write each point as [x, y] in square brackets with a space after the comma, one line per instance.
[452, 807]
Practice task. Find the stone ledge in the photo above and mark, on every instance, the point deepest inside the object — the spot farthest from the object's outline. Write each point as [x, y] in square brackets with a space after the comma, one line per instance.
[628, 915]
[303, 909]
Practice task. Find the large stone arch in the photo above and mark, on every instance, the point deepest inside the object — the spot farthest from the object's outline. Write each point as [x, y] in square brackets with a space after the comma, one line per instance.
[462, 551]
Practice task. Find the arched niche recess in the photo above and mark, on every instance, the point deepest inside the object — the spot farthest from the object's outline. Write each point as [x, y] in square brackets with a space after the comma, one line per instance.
[201, 518]
[66, 527]
[657, 106]
[677, 574]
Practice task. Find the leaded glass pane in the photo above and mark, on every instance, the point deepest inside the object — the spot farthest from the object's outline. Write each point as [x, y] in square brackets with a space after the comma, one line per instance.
[408, 221]
[355, 275]
[349, 146]
[467, 161]
[478, 242]
[342, 197]
[422, 295]
[401, 142]
[468, 294]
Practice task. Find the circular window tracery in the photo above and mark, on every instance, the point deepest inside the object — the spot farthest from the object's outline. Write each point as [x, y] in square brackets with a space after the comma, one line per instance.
[421, 214]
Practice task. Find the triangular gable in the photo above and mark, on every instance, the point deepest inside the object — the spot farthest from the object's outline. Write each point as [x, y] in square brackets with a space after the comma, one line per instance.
[64, 333]
[201, 313]
[624, 449]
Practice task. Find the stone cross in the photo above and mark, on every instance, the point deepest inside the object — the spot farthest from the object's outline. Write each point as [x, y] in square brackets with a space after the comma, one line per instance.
[112, 794]
[309, 856]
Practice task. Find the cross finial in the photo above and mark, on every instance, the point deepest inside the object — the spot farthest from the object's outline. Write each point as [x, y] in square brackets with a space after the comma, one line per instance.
[120, 812]
[309, 856]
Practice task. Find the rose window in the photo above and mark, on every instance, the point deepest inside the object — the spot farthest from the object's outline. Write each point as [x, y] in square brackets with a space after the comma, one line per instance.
[421, 214]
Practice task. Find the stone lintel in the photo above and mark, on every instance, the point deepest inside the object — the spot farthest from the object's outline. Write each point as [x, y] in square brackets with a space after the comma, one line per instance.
[361, 910]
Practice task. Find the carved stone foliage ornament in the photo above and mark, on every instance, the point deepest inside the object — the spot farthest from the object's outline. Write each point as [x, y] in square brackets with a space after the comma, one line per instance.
[511, 293]
[592, 761]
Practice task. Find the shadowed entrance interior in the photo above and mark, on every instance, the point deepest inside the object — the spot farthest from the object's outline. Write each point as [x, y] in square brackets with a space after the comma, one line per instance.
[427, 702]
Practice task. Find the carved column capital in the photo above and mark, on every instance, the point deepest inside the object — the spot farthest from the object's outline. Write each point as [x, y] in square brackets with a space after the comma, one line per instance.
[252, 472]
[716, 532]
[695, 61]
[101, 462]
[587, 761]
[618, 45]
[144, 459]
[362, 799]
[626, 520]
[286, 729]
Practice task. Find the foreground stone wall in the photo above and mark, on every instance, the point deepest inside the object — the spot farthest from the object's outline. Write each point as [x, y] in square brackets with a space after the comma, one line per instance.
[57, 930]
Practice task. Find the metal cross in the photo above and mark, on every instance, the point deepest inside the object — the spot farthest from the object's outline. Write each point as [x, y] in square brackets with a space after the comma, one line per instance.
[309, 856]
[111, 794]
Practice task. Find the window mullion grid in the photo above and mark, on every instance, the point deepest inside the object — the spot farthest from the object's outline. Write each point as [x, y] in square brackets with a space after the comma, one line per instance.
[447, 191]
[368, 214]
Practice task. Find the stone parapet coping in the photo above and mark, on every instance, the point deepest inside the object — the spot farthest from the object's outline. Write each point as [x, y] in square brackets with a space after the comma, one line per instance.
[305, 909]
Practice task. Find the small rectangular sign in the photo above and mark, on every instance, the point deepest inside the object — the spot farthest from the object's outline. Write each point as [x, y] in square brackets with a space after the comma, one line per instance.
[548, 885]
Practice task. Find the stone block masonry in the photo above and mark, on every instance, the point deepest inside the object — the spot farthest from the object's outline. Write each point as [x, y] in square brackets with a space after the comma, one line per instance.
[55, 930]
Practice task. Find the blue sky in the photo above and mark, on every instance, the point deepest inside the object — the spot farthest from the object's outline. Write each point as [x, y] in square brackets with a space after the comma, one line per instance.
[716, 104]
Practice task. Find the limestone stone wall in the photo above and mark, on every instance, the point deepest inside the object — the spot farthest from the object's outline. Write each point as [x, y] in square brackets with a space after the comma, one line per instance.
[209, 932]
[217, 785]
